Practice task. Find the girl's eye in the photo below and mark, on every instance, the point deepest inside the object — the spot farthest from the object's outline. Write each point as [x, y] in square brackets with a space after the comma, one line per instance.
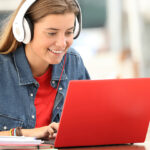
[69, 33]
[52, 33]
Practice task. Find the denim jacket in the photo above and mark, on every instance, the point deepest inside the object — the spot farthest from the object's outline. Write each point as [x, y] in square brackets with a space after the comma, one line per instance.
[18, 87]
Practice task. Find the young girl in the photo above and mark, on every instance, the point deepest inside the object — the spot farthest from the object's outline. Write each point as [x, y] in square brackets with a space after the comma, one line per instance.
[36, 65]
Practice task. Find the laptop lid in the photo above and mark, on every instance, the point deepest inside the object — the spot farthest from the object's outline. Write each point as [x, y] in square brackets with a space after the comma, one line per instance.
[104, 112]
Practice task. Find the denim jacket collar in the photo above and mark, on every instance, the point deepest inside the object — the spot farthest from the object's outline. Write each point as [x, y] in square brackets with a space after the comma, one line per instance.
[57, 70]
[24, 71]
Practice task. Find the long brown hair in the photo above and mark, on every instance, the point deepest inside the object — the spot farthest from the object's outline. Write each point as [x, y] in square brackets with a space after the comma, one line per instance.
[37, 11]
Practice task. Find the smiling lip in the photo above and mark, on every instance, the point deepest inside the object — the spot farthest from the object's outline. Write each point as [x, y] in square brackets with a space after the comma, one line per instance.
[56, 52]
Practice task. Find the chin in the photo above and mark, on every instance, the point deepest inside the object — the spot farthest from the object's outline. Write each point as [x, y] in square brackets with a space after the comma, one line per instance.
[55, 62]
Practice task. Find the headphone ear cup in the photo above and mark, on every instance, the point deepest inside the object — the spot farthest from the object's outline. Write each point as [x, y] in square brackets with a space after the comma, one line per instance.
[28, 30]
[77, 28]
[78, 22]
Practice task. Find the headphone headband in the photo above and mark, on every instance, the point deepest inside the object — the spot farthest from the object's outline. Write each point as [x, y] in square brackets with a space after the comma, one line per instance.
[21, 26]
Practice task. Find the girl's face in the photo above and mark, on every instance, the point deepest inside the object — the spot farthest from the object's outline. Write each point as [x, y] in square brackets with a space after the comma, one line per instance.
[53, 35]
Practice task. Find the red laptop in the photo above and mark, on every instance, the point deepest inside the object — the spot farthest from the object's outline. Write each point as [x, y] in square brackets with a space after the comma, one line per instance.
[105, 112]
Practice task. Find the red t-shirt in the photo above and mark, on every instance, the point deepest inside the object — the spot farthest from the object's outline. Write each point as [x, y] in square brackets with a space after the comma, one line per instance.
[44, 99]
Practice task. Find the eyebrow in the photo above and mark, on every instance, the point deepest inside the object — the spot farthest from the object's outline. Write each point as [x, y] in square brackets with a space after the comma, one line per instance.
[58, 29]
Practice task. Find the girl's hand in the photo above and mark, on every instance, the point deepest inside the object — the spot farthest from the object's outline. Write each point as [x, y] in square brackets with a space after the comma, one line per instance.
[45, 132]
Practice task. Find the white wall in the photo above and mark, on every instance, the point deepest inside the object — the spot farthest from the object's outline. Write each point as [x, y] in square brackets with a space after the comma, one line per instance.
[9, 4]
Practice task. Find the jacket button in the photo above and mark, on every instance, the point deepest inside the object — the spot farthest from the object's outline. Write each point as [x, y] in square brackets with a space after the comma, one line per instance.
[31, 94]
[60, 88]
[53, 82]
[57, 107]
[33, 116]
[5, 127]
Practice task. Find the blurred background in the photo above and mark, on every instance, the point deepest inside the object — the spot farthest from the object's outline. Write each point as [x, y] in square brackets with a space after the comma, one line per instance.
[115, 39]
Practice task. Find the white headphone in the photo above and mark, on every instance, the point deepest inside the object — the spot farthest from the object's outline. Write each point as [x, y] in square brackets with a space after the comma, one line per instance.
[22, 27]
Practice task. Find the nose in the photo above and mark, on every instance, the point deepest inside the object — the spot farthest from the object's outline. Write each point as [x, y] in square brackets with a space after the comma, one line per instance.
[61, 42]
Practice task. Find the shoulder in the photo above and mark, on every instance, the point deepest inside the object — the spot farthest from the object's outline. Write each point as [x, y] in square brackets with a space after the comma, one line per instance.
[74, 65]
[74, 59]
[4, 57]
[72, 52]
[73, 55]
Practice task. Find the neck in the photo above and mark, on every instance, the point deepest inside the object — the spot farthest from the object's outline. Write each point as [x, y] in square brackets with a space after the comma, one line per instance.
[38, 67]
[37, 71]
